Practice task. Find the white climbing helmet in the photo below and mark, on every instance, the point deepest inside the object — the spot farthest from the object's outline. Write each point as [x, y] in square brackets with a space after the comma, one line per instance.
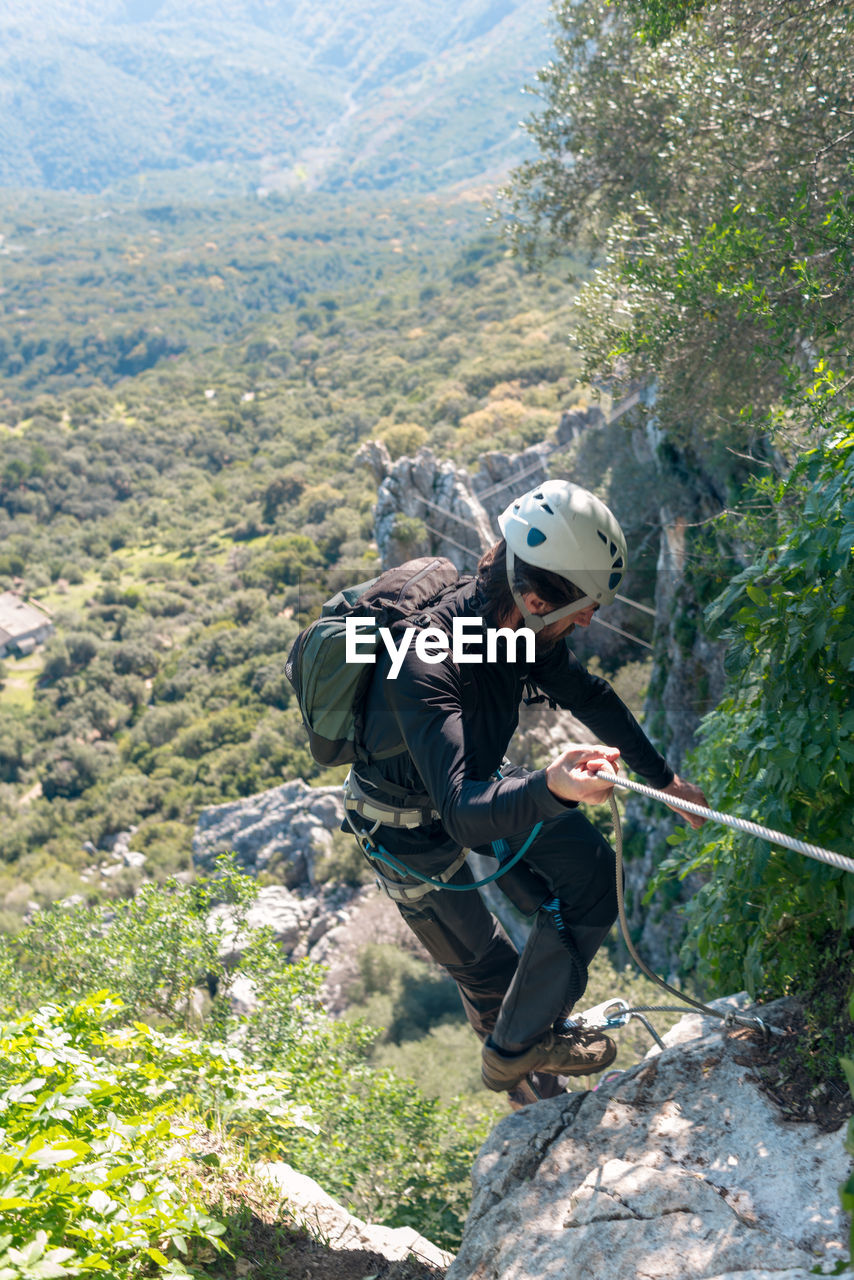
[561, 527]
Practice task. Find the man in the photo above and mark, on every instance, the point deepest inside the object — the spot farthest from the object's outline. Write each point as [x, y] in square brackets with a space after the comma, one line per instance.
[562, 556]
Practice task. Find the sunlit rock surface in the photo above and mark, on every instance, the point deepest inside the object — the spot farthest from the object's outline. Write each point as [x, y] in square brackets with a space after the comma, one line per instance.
[680, 1169]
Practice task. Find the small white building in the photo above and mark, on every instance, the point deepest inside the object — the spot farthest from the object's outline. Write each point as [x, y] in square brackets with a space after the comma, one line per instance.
[23, 624]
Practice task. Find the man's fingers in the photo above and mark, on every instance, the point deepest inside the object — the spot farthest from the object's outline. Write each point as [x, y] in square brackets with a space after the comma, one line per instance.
[598, 765]
[596, 784]
[581, 753]
[692, 819]
[681, 790]
[575, 774]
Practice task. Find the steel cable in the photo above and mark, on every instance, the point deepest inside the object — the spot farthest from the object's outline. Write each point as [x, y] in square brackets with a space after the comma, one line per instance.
[742, 824]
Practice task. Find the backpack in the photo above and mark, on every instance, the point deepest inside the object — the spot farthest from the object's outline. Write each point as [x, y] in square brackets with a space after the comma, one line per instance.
[330, 691]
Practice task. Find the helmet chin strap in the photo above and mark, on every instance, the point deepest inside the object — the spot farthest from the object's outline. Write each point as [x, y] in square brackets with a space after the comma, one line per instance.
[536, 622]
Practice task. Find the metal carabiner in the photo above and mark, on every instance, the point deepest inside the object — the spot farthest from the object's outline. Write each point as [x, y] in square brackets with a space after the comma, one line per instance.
[610, 1013]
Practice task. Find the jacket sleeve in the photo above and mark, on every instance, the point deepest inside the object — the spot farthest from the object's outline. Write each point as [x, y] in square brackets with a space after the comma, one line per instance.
[427, 703]
[560, 675]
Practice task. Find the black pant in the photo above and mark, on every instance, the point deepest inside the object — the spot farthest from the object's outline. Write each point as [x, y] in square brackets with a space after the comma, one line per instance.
[567, 878]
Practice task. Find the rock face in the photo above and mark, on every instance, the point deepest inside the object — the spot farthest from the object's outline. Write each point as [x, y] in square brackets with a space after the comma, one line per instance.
[679, 1169]
[286, 828]
[687, 680]
[437, 496]
[455, 512]
[282, 831]
[332, 1223]
[275, 908]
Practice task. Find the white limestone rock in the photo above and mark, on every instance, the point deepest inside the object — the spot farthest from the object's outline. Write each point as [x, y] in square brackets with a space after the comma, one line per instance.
[325, 1218]
[680, 1169]
[289, 825]
[275, 908]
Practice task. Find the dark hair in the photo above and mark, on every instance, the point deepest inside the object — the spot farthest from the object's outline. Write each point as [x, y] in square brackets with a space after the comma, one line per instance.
[495, 589]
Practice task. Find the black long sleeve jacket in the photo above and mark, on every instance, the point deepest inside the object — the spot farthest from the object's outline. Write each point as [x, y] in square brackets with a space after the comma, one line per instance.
[456, 722]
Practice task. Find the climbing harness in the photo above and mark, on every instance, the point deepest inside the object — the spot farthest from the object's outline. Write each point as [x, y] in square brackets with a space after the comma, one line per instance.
[355, 801]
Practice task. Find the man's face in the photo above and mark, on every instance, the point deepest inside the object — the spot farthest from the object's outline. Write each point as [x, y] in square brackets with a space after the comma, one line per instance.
[557, 630]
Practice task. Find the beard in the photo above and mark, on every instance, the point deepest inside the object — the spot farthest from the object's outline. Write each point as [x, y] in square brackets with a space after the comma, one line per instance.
[550, 637]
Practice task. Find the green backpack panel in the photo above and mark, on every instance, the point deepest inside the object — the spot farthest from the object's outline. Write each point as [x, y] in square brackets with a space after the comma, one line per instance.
[330, 691]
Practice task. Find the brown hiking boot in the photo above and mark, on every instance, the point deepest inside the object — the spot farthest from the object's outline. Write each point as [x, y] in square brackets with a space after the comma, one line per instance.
[579, 1054]
[536, 1087]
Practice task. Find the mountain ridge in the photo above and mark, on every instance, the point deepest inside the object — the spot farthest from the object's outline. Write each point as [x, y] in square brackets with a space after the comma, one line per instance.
[332, 99]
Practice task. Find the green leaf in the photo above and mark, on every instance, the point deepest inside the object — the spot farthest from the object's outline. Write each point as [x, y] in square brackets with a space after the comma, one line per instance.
[848, 1067]
[70, 1153]
[757, 595]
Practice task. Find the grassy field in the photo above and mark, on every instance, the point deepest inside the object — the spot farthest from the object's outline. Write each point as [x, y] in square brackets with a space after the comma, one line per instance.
[19, 680]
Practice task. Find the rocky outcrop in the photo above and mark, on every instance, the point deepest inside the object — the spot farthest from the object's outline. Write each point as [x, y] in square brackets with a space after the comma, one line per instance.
[500, 477]
[577, 421]
[679, 1169]
[330, 1222]
[425, 507]
[119, 855]
[283, 830]
[430, 506]
[288, 917]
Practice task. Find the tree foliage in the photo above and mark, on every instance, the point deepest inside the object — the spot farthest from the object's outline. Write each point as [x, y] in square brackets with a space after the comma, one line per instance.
[285, 1080]
[779, 749]
[703, 150]
[713, 169]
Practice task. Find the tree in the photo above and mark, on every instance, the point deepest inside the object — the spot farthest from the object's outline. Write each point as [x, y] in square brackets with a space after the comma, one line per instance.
[711, 167]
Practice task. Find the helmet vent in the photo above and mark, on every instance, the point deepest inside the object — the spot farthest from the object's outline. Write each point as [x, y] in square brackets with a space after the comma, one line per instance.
[546, 507]
[603, 536]
[618, 563]
[536, 538]
[614, 581]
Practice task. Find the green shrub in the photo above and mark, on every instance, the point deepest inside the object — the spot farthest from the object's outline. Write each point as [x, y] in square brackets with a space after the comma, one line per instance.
[151, 950]
[286, 1080]
[401, 993]
[778, 749]
[93, 1179]
[344, 863]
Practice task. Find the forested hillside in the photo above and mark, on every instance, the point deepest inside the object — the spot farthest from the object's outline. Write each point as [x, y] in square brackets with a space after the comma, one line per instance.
[185, 392]
[277, 95]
